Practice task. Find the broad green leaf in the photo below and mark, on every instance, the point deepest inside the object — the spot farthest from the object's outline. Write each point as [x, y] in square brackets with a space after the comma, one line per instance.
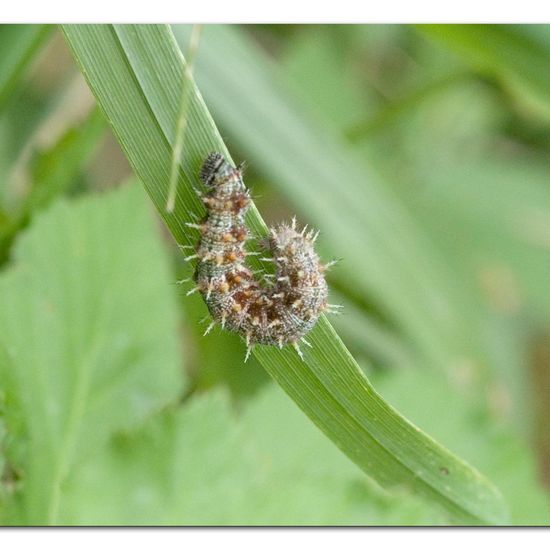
[184, 466]
[202, 465]
[88, 334]
[518, 55]
[136, 73]
[18, 44]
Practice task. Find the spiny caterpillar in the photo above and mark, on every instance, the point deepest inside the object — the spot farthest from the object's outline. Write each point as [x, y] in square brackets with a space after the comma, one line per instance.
[274, 312]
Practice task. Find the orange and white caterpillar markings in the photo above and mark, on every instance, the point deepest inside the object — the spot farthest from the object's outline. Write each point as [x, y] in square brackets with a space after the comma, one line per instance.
[278, 312]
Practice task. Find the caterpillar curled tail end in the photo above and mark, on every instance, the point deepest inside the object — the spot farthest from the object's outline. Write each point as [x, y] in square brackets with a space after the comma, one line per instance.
[279, 312]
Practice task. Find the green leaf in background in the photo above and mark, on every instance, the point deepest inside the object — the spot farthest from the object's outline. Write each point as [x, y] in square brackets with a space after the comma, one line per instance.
[518, 55]
[18, 44]
[182, 467]
[88, 340]
[204, 465]
[53, 172]
[471, 432]
[135, 72]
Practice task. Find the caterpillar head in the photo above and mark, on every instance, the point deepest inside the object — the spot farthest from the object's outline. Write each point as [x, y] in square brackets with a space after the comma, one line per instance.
[215, 170]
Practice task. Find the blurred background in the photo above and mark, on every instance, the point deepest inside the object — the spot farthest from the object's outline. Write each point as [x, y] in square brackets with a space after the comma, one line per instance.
[444, 272]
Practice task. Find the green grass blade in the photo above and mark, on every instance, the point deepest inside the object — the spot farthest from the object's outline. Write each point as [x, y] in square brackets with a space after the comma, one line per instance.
[136, 74]
[183, 118]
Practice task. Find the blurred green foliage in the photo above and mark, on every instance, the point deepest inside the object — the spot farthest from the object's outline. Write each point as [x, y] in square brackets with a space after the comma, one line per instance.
[81, 342]
[446, 256]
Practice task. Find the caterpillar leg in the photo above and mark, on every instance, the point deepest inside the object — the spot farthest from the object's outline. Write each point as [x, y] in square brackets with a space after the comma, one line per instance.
[249, 347]
[306, 343]
[296, 346]
[248, 352]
